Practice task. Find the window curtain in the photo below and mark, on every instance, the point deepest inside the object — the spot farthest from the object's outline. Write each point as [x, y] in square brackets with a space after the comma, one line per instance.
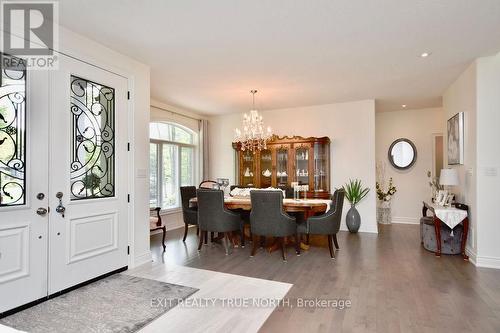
[204, 149]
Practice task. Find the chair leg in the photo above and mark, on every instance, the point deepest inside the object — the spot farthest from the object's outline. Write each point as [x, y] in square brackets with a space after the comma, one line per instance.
[201, 239]
[307, 239]
[185, 232]
[335, 241]
[243, 236]
[212, 237]
[297, 244]
[330, 246]
[163, 239]
[262, 241]
[205, 234]
[227, 243]
[197, 231]
[283, 248]
[255, 242]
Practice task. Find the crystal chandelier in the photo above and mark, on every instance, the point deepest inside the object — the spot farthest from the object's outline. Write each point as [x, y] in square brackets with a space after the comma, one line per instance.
[253, 137]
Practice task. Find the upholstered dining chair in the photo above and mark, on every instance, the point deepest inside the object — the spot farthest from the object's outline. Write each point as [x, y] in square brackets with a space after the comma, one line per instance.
[267, 218]
[328, 223]
[189, 214]
[214, 217]
[156, 223]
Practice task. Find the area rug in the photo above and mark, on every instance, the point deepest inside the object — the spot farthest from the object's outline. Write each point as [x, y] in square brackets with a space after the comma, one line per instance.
[119, 303]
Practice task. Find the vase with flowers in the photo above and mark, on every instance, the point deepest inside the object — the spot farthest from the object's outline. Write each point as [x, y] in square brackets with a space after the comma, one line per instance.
[385, 195]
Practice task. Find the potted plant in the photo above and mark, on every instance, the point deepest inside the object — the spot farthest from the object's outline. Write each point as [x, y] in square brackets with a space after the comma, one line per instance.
[354, 193]
[91, 182]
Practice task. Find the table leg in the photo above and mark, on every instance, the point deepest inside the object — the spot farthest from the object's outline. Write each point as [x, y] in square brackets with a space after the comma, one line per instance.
[437, 228]
[464, 238]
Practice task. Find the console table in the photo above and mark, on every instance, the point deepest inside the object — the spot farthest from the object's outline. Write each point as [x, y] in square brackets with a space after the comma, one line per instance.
[450, 216]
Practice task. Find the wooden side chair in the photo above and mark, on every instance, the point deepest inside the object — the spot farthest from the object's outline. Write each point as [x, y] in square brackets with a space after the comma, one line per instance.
[155, 223]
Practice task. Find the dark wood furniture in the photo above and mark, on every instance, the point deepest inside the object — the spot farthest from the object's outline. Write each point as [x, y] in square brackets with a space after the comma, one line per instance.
[287, 160]
[309, 207]
[437, 227]
[156, 223]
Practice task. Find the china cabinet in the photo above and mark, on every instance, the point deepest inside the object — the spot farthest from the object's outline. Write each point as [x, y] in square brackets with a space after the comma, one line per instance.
[286, 160]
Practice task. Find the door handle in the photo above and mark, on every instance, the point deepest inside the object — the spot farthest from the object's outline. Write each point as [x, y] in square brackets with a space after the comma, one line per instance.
[60, 208]
[41, 211]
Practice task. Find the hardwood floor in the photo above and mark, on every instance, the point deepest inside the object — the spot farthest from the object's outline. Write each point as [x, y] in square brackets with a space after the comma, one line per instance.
[394, 285]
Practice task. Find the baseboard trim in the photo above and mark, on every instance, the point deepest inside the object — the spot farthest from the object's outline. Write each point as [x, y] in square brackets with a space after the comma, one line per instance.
[472, 255]
[405, 220]
[368, 231]
[487, 262]
[142, 259]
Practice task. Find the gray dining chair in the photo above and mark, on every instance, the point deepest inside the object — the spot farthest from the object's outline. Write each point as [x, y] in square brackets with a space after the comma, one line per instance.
[189, 214]
[214, 217]
[267, 218]
[328, 223]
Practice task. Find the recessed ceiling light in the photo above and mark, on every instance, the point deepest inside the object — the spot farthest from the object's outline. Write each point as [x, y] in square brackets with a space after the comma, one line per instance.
[403, 105]
[425, 54]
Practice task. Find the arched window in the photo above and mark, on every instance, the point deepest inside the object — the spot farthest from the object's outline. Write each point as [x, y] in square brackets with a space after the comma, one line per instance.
[172, 163]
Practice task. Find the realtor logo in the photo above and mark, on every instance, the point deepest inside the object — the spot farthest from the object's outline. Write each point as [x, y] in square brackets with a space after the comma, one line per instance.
[30, 31]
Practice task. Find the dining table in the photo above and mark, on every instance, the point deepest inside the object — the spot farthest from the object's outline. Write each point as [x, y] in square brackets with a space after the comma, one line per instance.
[308, 207]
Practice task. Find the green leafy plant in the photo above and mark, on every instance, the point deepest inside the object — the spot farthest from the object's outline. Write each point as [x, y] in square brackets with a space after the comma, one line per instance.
[354, 192]
[91, 182]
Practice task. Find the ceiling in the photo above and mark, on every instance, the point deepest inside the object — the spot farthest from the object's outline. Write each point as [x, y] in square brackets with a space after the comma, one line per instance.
[206, 56]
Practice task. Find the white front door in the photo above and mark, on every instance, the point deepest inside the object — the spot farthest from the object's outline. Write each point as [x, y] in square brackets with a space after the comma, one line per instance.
[23, 186]
[88, 173]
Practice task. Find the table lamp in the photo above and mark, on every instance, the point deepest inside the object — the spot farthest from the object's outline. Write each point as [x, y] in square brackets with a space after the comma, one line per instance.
[448, 177]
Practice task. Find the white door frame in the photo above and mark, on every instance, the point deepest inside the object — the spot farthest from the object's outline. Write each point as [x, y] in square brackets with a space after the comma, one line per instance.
[434, 135]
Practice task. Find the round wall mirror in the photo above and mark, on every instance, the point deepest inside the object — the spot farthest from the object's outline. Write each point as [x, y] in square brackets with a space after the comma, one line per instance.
[402, 154]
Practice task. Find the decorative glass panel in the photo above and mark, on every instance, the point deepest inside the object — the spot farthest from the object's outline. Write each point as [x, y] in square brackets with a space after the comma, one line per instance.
[92, 140]
[282, 166]
[321, 164]
[266, 167]
[248, 168]
[302, 165]
[12, 133]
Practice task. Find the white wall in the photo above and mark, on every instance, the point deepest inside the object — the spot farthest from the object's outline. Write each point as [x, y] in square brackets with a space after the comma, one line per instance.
[488, 161]
[350, 126]
[461, 97]
[138, 76]
[412, 184]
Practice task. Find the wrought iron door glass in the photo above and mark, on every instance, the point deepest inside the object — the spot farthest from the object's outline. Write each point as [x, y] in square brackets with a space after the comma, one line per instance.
[12, 132]
[92, 140]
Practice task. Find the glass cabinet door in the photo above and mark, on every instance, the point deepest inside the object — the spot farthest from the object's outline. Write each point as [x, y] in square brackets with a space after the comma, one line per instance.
[302, 165]
[282, 167]
[321, 166]
[248, 169]
[266, 168]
